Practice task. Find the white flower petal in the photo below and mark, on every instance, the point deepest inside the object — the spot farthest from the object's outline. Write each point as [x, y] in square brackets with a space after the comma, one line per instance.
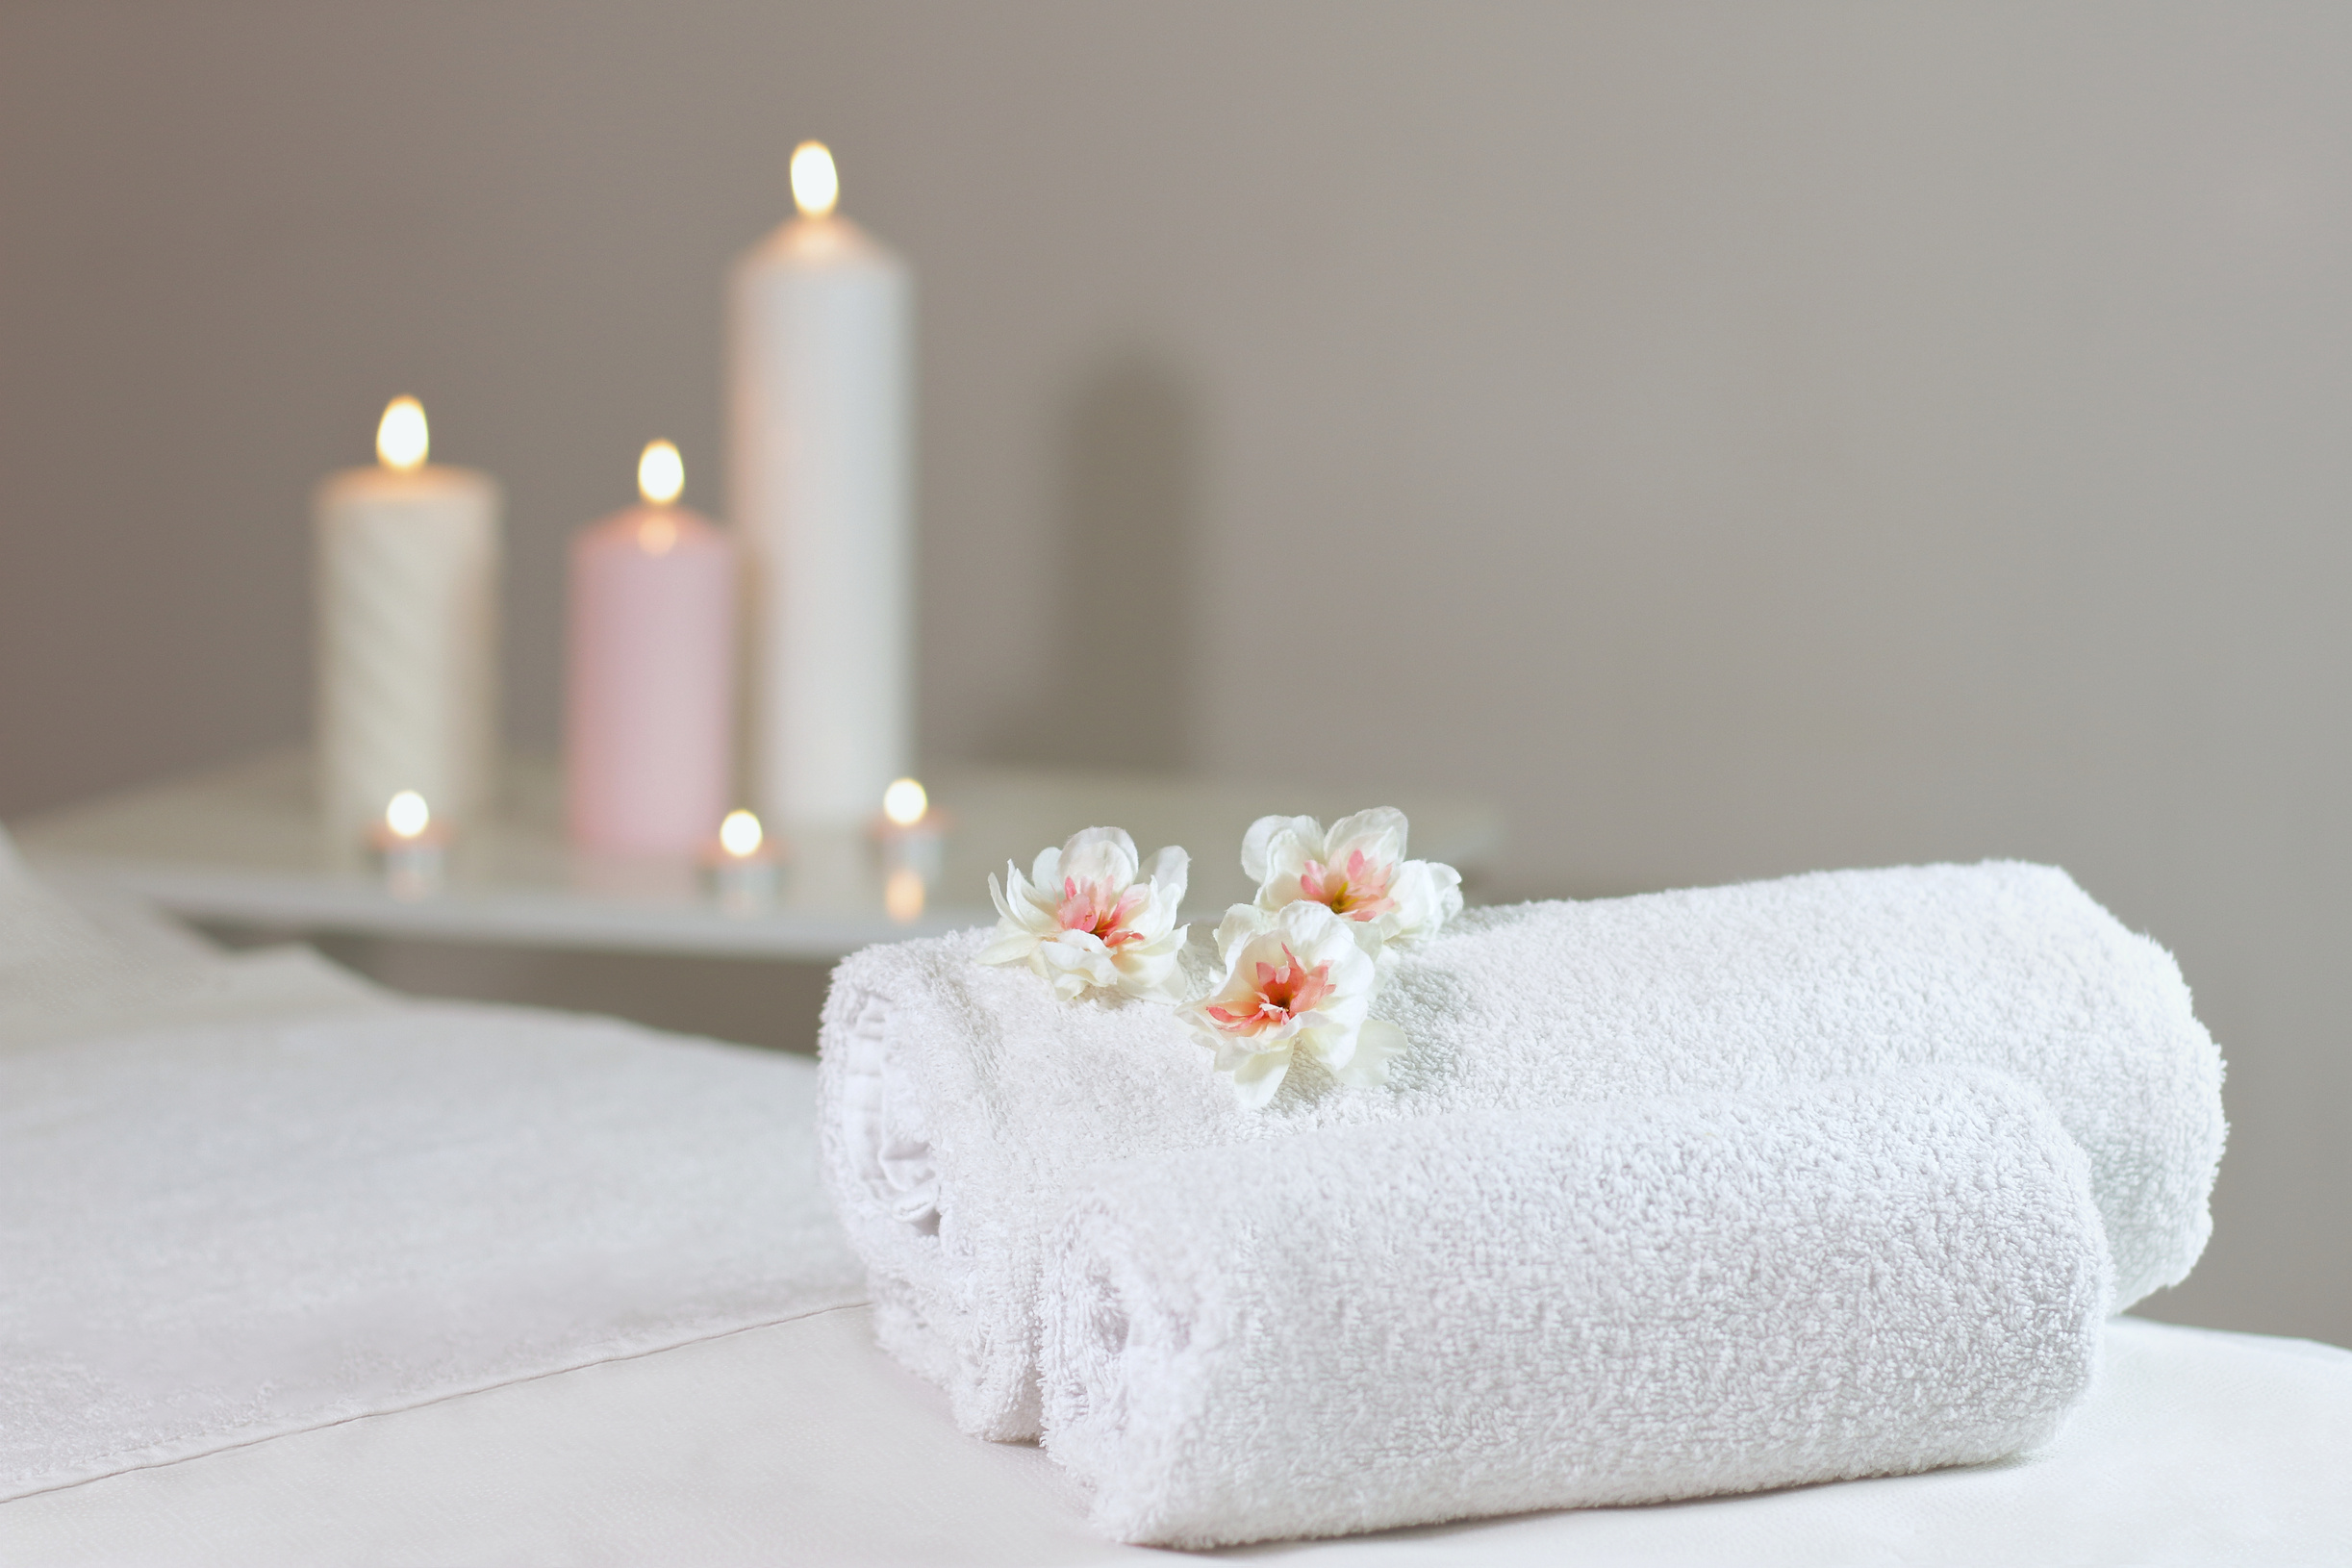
[1428, 894]
[1032, 905]
[1365, 826]
[1258, 840]
[1342, 1013]
[1013, 946]
[1377, 1043]
[1328, 1043]
[1100, 855]
[1258, 1076]
[1167, 944]
[1241, 923]
[1150, 971]
[1229, 991]
[1169, 873]
[1156, 917]
[1316, 935]
[1016, 937]
[1227, 1053]
[1287, 854]
[1079, 950]
[1449, 894]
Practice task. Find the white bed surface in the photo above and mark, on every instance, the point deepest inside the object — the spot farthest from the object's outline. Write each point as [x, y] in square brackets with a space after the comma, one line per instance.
[224, 1232]
[801, 1443]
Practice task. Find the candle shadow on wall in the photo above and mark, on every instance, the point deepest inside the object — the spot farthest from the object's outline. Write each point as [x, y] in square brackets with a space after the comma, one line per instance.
[1119, 692]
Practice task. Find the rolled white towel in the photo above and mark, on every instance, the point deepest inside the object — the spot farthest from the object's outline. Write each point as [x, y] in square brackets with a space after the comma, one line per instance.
[960, 1102]
[1501, 1311]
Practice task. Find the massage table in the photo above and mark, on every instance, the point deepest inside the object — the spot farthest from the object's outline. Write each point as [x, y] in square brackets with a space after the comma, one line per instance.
[751, 1420]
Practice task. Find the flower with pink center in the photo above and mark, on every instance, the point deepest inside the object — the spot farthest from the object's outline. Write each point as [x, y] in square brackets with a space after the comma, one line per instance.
[1296, 982]
[1097, 906]
[1091, 918]
[1357, 870]
[1281, 993]
[1358, 891]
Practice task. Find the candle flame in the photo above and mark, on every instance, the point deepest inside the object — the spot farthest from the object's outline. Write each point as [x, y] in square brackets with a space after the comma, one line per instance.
[407, 814]
[905, 802]
[661, 473]
[815, 184]
[740, 834]
[401, 440]
[902, 896]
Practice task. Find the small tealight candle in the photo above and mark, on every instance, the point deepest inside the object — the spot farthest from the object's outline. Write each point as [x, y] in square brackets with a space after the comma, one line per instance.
[410, 846]
[912, 835]
[743, 874]
[905, 801]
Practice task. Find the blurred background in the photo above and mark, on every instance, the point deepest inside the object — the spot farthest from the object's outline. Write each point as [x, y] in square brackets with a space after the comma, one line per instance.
[1737, 441]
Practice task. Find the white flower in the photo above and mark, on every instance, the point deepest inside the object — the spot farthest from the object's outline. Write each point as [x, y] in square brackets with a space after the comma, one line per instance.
[1295, 981]
[1085, 920]
[1357, 870]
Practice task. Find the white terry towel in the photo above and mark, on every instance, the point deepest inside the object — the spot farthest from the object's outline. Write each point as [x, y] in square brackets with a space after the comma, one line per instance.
[959, 1102]
[1501, 1311]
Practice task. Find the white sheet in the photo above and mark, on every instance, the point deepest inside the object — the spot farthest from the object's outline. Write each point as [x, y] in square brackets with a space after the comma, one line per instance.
[801, 1443]
[98, 963]
[217, 1233]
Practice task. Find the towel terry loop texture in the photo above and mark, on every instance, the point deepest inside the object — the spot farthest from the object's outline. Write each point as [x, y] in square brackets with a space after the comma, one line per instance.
[1501, 1311]
[963, 1105]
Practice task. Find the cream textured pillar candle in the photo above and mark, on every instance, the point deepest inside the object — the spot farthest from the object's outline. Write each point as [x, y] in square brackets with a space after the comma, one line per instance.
[821, 338]
[407, 635]
[650, 709]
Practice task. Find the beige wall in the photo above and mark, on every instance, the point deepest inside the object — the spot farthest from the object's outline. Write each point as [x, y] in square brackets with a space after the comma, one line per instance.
[1742, 439]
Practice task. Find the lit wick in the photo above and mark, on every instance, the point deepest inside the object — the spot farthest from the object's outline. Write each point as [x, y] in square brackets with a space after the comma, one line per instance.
[905, 801]
[815, 184]
[402, 441]
[661, 476]
[409, 847]
[406, 814]
[913, 841]
[740, 835]
[743, 875]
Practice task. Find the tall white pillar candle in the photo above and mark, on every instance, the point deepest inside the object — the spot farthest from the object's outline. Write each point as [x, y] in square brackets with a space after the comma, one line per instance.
[407, 636]
[822, 340]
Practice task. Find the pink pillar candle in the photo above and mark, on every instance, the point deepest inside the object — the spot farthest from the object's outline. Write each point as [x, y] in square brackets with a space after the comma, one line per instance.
[649, 719]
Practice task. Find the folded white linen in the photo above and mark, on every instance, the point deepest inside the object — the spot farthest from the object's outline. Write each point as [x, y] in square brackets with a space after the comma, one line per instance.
[1503, 1311]
[217, 1234]
[56, 964]
[960, 1103]
[65, 976]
